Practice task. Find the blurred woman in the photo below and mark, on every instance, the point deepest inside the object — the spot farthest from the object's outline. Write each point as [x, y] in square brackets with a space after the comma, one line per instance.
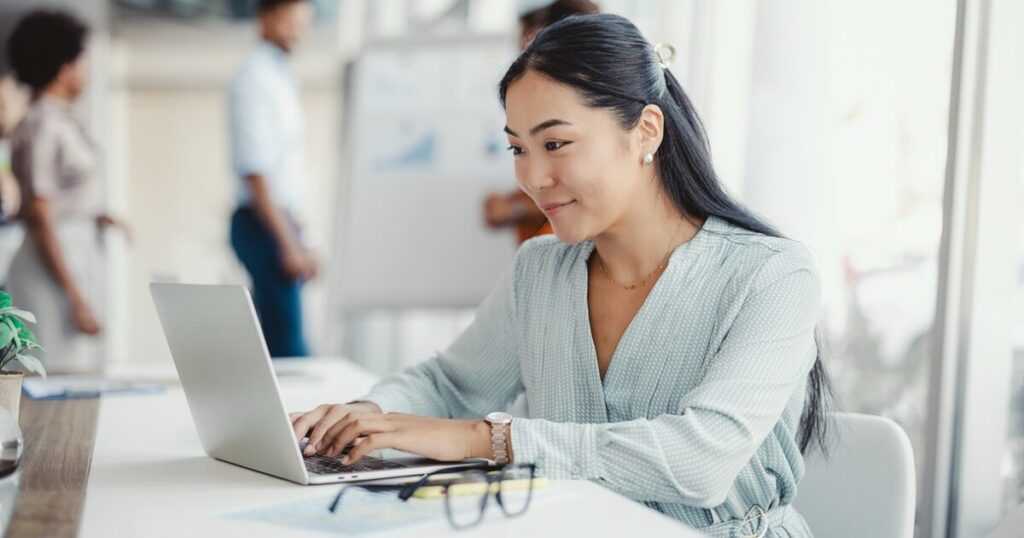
[57, 271]
[13, 103]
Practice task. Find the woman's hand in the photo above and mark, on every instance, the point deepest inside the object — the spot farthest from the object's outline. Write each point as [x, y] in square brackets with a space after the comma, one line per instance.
[105, 222]
[83, 318]
[436, 438]
[333, 427]
[314, 424]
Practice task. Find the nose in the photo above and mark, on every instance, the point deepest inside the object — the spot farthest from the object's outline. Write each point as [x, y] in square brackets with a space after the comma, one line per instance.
[535, 175]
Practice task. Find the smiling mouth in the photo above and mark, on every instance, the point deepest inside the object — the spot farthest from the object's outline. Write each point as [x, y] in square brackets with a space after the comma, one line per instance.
[551, 209]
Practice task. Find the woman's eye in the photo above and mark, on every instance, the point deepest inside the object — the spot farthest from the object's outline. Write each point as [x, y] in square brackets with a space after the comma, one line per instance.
[516, 150]
[552, 146]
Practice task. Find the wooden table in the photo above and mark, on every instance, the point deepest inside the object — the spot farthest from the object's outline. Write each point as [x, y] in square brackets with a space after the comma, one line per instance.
[59, 437]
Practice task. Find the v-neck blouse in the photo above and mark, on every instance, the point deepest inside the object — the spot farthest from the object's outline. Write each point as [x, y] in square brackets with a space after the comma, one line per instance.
[699, 410]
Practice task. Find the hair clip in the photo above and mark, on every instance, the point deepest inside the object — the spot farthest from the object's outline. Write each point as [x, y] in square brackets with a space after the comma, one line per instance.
[666, 54]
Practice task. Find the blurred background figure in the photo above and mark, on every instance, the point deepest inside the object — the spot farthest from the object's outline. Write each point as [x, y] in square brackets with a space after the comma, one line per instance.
[58, 271]
[515, 209]
[13, 102]
[266, 126]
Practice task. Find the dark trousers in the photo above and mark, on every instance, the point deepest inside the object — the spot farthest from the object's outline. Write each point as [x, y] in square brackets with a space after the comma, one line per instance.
[277, 298]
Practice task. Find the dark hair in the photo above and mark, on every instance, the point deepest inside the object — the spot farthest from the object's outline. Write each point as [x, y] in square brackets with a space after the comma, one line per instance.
[41, 43]
[610, 64]
[558, 10]
[267, 5]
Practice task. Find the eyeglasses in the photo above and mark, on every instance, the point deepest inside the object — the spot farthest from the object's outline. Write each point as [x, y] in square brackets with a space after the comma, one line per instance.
[466, 491]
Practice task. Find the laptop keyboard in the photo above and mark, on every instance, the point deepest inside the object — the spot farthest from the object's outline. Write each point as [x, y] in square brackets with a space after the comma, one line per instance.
[326, 465]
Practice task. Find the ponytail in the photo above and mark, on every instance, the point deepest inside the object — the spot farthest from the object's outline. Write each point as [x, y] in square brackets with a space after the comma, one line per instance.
[609, 63]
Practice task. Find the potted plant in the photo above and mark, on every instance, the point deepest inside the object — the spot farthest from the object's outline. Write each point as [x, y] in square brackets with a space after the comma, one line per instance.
[16, 341]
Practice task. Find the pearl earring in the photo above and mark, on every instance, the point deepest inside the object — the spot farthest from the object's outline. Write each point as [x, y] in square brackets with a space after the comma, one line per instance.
[648, 158]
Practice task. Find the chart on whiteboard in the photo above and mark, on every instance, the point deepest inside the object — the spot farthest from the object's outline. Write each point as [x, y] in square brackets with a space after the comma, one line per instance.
[428, 147]
[432, 113]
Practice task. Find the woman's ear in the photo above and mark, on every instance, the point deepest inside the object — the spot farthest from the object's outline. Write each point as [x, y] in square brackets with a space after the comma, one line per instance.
[651, 128]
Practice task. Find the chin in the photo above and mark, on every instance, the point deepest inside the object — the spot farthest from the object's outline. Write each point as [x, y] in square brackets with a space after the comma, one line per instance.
[570, 235]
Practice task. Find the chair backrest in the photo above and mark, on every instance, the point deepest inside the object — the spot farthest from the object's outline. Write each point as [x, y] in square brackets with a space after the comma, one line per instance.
[865, 485]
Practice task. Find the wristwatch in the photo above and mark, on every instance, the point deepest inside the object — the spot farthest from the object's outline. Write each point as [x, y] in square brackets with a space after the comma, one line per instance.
[499, 435]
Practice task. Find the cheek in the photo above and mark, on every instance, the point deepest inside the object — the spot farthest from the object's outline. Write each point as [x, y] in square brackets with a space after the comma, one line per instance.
[599, 177]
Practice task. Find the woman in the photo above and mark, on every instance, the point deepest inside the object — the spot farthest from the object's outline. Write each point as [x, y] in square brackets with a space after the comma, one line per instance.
[57, 273]
[664, 341]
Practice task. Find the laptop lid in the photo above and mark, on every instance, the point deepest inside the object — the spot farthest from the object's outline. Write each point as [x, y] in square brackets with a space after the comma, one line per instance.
[226, 373]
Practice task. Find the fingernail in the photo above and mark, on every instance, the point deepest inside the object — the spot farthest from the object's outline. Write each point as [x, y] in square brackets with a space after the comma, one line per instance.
[344, 461]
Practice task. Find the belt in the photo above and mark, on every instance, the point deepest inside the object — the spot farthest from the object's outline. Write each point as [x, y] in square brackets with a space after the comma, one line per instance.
[754, 524]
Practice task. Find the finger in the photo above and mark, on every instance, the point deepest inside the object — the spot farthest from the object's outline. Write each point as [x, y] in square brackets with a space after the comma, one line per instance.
[307, 420]
[353, 427]
[374, 441]
[301, 422]
[336, 413]
[336, 439]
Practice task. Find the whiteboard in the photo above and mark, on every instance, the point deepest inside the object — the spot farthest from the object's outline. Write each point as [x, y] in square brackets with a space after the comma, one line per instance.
[425, 146]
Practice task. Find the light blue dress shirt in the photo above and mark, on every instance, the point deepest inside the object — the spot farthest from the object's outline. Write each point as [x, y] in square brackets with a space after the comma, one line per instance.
[698, 413]
[266, 126]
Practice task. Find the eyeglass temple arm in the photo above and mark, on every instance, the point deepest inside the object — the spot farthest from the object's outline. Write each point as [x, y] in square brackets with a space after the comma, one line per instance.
[409, 489]
[368, 487]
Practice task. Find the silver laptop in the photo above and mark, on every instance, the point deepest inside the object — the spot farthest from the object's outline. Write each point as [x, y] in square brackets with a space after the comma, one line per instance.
[232, 391]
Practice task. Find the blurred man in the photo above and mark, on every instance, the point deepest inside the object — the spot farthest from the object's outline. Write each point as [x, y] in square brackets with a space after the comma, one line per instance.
[516, 209]
[266, 128]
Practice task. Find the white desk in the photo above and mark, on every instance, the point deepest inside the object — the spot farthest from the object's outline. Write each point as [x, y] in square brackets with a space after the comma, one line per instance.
[150, 477]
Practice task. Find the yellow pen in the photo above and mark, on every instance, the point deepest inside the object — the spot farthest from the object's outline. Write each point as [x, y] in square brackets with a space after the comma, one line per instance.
[477, 488]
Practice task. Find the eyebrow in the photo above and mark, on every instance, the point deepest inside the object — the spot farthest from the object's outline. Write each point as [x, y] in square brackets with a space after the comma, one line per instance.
[540, 127]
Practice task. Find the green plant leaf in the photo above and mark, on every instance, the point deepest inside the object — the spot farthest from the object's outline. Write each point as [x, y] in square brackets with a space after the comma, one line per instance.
[24, 333]
[5, 300]
[9, 322]
[6, 336]
[32, 364]
[17, 312]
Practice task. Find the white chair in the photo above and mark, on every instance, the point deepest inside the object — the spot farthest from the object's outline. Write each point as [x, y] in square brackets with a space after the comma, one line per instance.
[865, 486]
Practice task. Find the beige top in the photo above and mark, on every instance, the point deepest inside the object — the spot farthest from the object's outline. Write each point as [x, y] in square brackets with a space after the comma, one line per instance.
[54, 158]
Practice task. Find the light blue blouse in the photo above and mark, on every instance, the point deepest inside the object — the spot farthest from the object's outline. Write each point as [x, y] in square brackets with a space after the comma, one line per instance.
[698, 413]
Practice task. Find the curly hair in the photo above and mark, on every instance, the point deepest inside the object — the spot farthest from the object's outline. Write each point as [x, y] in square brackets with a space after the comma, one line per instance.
[41, 43]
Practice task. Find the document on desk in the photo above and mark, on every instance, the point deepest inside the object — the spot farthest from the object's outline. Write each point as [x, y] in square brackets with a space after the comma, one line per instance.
[64, 387]
[361, 512]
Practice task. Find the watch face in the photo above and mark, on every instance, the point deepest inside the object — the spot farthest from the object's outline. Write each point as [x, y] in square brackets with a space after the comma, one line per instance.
[498, 416]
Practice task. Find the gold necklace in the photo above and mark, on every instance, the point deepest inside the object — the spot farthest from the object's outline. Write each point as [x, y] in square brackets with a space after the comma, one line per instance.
[661, 266]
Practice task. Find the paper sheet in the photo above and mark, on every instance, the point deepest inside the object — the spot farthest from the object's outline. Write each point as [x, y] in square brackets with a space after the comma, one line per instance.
[360, 512]
[363, 512]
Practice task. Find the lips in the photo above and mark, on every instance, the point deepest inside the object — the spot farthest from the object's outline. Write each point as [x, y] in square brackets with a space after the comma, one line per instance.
[555, 207]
